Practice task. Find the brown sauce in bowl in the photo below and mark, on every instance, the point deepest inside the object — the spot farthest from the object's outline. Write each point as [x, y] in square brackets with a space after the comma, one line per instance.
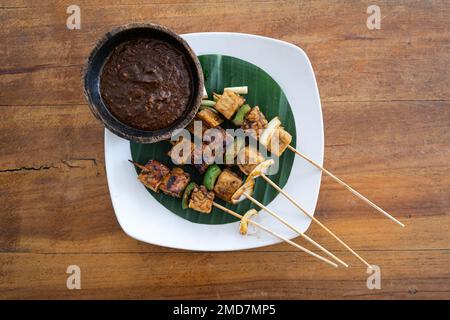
[147, 84]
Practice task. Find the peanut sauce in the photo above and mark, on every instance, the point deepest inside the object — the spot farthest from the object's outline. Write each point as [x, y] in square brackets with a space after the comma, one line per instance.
[147, 84]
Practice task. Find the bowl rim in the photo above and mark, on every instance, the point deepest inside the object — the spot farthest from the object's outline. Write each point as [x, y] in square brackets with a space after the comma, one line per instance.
[134, 134]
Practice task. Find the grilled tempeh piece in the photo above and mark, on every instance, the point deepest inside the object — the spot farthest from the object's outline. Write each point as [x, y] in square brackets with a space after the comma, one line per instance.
[228, 103]
[248, 158]
[201, 199]
[174, 183]
[227, 184]
[255, 121]
[153, 174]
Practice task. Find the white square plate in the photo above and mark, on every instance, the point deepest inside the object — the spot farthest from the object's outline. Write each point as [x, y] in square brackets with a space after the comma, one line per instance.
[145, 219]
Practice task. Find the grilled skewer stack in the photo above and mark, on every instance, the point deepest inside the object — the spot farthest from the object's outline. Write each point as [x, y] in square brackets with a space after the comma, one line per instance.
[176, 183]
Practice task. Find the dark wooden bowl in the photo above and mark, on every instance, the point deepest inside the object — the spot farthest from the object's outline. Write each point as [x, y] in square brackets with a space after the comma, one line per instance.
[93, 70]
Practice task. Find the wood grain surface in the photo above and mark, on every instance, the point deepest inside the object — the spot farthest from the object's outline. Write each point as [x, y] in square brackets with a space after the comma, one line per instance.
[386, 104]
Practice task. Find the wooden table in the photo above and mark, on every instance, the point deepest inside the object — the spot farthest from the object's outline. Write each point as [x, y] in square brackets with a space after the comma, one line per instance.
[386, 104]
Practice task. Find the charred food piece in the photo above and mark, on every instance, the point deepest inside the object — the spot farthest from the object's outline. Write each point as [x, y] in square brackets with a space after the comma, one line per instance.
[181, 152]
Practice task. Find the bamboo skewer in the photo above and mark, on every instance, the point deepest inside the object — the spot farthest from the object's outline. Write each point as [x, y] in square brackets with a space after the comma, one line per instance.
[295, 203]
[342, 183]
[237, 215]
[272, 213]
[140, 166]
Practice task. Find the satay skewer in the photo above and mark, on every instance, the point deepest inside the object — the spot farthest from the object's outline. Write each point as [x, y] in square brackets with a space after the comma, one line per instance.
[260, 171]
[235, 214]
[292, 243]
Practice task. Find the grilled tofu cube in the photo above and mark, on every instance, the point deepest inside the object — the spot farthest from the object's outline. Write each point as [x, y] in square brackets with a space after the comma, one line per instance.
[204, 126]
[153, 174]
[210, 116]
[174, 183]
[255, 122]
[227, 184]
[279, 141]
[201, 200]
[248, 158]
[228, 103]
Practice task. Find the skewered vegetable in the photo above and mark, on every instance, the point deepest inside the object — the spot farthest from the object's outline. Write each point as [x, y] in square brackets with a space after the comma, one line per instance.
[175, 182]
[228, 103]
[239, 90]
[239, 117]
[211, 176]
[152, 174]
[201, 199]
[227, 184]
[187, 194]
